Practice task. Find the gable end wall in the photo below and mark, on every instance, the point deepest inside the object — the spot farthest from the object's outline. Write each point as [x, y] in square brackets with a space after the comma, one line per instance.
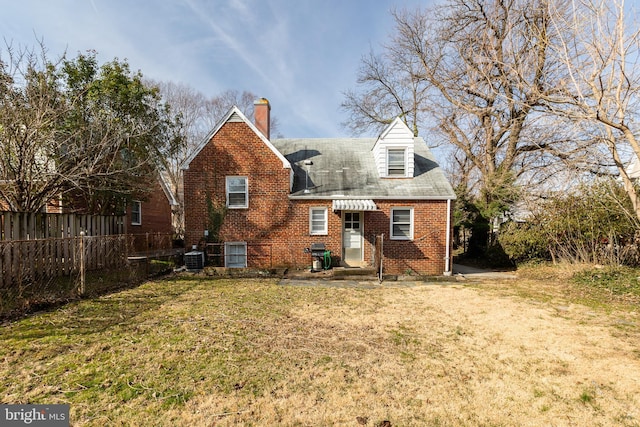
[235, 150]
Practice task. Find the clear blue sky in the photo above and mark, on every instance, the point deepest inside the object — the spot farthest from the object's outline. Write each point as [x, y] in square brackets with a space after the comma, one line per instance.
[300, 54]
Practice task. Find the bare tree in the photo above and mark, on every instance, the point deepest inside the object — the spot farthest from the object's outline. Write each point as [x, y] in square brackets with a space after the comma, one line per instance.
[390, 89]
[30, 109]
[478, 70]
[189, 105]
[600, 92]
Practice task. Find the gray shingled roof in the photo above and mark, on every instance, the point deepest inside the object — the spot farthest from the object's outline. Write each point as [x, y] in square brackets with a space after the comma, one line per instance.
[345, 168]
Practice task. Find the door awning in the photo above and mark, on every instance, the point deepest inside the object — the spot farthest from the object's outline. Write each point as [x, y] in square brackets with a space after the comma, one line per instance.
[354, 205]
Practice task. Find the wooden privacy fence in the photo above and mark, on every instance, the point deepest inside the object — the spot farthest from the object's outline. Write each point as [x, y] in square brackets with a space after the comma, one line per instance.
[38, 260]
[28, 226]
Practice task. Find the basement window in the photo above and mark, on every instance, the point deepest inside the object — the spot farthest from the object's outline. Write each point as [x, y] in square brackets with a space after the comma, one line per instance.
[235, 255]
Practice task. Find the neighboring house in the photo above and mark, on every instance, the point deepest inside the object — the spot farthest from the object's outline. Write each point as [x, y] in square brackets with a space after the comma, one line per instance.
[633, 169]
[142, 218]
[154, 214]
[53, 206]
[280, 196]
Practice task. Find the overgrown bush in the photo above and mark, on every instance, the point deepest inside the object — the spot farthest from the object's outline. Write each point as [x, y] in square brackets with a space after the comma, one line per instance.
[524, 242]
[595, 224]
[496, 257]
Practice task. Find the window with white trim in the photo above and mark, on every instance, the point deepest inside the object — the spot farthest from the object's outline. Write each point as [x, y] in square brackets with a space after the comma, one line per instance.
[396, 163]
[237, 192]
[136, 212]
[235, 254]
[401, 223]
[318, 221]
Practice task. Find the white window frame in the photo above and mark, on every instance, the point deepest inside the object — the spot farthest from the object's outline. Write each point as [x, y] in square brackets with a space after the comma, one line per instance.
[325, 229]
[392, 223]
[245, 205]
[137, 203]
[227, 264]
[404, 162]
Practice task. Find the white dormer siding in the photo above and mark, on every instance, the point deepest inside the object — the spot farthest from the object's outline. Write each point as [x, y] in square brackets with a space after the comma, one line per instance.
[394, 151]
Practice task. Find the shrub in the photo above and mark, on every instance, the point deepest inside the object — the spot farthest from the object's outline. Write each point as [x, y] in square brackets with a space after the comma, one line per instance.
[595, 224]
[524, 242]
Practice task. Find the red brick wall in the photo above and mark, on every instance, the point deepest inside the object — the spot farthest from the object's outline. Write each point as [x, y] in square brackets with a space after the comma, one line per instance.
[53, 206]
[156, 214]
[276, 229]
[426, 253]
[235, 150]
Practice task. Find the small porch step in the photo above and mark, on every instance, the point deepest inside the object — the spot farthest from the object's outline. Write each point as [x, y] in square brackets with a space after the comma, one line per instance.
[353, 271]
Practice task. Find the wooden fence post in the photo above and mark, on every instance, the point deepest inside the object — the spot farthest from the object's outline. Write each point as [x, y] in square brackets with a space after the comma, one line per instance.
[82, 264]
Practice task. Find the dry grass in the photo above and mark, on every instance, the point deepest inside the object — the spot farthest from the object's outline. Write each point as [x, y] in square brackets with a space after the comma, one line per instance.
[191, 352]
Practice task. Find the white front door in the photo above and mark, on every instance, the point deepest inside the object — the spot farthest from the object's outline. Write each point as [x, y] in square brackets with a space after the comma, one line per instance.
[352, 237]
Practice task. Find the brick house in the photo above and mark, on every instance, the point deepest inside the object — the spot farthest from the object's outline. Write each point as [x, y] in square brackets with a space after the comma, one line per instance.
[154, 214]
[151, 215]
[277, 197]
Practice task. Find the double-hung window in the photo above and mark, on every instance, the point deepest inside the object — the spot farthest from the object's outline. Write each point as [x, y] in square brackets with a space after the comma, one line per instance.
[318, 221]
[396, 164]
[136, 213]
[401, 223]
[237, 192]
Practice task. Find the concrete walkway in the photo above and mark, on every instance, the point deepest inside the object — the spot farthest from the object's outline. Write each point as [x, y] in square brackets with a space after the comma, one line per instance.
[467, 272]
[460, 273]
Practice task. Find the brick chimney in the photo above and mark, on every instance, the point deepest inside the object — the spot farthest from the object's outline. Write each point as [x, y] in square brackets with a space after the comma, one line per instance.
[262, 115]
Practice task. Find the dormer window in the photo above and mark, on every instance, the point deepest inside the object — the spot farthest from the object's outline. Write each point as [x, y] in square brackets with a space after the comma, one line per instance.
[394, 151]
[396, 166]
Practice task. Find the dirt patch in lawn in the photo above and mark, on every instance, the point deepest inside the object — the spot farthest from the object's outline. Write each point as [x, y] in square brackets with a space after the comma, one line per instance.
[256, 353]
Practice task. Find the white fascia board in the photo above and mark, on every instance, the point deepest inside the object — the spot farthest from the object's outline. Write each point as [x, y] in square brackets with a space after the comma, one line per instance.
[393, 124]
[166, 188]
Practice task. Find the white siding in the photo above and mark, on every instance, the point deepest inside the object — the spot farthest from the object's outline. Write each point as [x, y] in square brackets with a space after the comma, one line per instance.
[397, 135]
[379, 152]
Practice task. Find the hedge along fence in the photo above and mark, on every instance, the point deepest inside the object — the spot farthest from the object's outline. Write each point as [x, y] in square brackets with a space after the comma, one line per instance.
[39, 272]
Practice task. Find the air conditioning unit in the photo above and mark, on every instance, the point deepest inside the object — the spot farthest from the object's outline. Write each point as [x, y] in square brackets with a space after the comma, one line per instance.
[194, 260]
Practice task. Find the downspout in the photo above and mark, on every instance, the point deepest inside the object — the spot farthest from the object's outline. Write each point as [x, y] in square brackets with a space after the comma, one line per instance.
[447, 265]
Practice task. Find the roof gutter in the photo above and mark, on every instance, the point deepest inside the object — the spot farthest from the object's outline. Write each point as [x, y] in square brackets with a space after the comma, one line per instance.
[343, 197]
